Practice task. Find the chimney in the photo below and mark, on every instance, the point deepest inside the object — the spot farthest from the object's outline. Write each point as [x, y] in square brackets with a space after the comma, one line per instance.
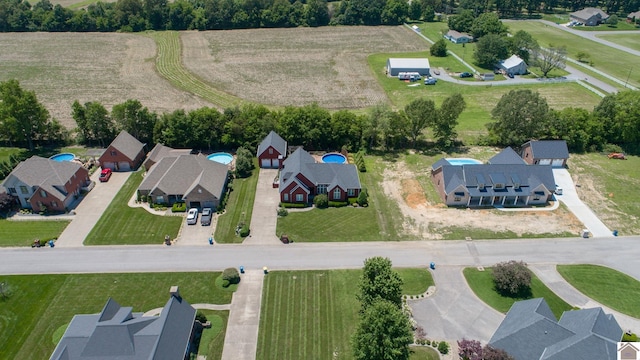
[175, 292]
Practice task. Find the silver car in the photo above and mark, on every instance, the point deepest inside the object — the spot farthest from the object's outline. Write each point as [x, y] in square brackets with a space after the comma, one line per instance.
[205, 219]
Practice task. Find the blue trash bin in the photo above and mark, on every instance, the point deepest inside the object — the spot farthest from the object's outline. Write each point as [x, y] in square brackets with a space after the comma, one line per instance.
[432, 265]
[241, 269]
[210, 241]
[615, 232]
[51, 243]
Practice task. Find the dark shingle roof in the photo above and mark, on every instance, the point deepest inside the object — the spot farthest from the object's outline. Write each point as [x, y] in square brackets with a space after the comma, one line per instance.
[506, 156]
[127, 145]
[586, 13]
[548, 149]
[273, 139]
[343, 175]
[160, 151]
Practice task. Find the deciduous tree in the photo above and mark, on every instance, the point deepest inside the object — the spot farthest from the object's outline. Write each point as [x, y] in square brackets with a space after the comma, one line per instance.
[487, 23]
[490, 49]
[512, 277]
[439, 48]
[383, 333]
[135, 119]
[23, 117]
[550, 58]
[244, 162]
[444, 126]
[420, 113]
[517, 117]
[523, 44]
[379, 282]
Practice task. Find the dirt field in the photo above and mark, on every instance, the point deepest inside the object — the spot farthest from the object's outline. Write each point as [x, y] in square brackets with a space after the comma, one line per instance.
[427, 220]
[296, 66]
[109, 68]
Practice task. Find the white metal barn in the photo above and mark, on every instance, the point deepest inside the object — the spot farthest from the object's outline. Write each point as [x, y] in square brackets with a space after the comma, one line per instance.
[397, 65]
[514, 65]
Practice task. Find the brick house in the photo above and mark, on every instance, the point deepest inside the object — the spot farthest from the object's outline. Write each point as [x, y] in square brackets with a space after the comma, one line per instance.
[272, 151]
[125, 153]
[546, 152]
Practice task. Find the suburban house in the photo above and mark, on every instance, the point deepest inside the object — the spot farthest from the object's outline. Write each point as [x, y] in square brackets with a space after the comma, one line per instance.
[301, 178]
[458, 37]
[160, 151]
[272, 151]
[530, 331]
[513, 65]
[505, 181]
[417, 65]
[633, 17]
[546, 152]
[589, 16]
[118, 333]
[192, 179]
[41, 183]
[125, 153]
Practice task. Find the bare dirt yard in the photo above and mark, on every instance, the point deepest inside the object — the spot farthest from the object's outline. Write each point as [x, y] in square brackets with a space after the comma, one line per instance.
[109, 68]
[429, 219]
[299, 66]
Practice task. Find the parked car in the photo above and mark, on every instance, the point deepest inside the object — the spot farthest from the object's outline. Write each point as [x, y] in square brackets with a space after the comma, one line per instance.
[466, 75]
[510, 75]
[105, 175]
[205, 219]
[430, 81]
[192, 216]
[436, 71]
[558, 190]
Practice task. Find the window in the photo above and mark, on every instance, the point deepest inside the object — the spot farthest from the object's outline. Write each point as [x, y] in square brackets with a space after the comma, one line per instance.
[457, 198]
[159, 199]
[54, 204]
[286, 197]
[337, 193]
[351, 192]
[270, 151]
[43, 193]
[499, 186]
[113, 153]
[322, 189]
[299, 198]
[459, 193]
[23, 189]
[12, 190]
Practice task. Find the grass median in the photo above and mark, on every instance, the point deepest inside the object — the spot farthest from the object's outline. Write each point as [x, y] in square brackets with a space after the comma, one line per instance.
[239, 208]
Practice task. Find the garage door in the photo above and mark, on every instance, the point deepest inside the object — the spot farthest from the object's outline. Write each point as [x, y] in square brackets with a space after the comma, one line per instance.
[266, 163]
[123, 166]
[275, 163]
[544, 162]
[109, 165]
[557, 162]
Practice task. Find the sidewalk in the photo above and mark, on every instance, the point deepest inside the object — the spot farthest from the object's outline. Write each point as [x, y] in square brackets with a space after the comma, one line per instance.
[241, 339]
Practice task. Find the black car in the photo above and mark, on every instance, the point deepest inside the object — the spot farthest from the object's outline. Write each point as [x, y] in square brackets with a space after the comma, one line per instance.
[466, 75]
[205, 219]
[510, 75]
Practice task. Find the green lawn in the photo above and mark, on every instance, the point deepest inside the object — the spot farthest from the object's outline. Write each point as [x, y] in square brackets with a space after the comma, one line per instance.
[609, 287]
[622, 25]
[121, 224]
[629, 40]
[457, 233]
[239, 208]
[23, 233]
[416, 281]
[481, 282]
[41, 304]
[423, 353]
[609, 187]
[380, 221]
[212, 340]
[612, 61]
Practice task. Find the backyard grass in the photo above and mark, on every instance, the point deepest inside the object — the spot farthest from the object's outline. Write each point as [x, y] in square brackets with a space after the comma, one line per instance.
[609, 287]
[614, 62]
[629, 40]
[212, 340]
[123, 225]
[423, 353]
[415, 281]
[40, 304]
[481, 282]
[239, 208]
[622, 25]
[23, 233]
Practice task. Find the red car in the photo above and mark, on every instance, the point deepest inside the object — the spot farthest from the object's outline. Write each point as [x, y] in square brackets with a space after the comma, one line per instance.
[105, 175]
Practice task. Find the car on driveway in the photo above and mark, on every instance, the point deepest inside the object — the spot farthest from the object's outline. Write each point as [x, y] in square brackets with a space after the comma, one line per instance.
[205, 218]
[466, 75]
[105, 175]
[192, 216]
[510, 75]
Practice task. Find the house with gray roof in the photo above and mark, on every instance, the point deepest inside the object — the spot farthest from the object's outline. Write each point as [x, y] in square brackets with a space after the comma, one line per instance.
[39, 183]
[125, 153]
[458, 37]
[513, 65]
[301, 178]
[530, 331]
[589, 16]
[192, 179]
[160, 151]
[505, 181]
[271, 151]
[633, 17]
[546, 152]
[119, 333]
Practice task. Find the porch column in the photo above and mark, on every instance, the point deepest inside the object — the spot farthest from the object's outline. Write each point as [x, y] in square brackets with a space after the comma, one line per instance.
[503, 200]
[527, 201]
[469, 201]
[480, 203]
[493, 199]
[516, 202]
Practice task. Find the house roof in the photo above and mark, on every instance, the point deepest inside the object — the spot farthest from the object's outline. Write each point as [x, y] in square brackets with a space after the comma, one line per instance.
[301, 162]
[455, 34]
[178, 175]
[512, 62]
[50, 175]
[274, 140]
[127, 145]
[118, 333]
[548, 149]
[416, 63]
[530, 331]
[634, 15]
[506, 156]
[159, 151]
[586, 13]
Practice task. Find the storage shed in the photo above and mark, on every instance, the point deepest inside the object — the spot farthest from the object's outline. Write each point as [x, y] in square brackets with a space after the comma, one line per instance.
[513, 65]
[397, 65]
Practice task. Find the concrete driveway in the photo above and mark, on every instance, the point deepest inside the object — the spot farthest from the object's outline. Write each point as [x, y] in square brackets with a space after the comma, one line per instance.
[570, 198]
[194, 235]
[265, 205]
[90, 209]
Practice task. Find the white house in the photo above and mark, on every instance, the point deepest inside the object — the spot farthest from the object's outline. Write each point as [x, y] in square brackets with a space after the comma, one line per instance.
[513, 65]
[397, 65]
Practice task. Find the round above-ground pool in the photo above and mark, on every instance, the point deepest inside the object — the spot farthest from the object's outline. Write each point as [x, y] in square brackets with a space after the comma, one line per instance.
[221, 157]
[63, 157]
[463, 161]
[334, 158]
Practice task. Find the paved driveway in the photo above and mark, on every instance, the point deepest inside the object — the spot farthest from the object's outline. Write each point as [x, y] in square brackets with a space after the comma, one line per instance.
[90, 209]
[265, 205]
[195, 234]
[570, 198]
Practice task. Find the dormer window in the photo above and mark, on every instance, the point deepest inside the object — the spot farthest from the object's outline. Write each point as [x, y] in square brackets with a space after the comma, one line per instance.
[498, 186]
[516, 186]
[481, 186]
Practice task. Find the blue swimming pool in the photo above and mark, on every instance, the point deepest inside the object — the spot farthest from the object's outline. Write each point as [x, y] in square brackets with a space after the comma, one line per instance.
[221, 157]
[463, 161]
[334, 158]
[63, 157]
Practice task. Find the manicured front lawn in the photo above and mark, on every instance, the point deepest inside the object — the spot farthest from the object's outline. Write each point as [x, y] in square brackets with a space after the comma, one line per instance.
[629, 40]
[416, 281]
[609, 287]
[423, 353]
[23, 233]
[40, 304]
[212, 340]
[481, 282]
[239, 208]
[121, 224]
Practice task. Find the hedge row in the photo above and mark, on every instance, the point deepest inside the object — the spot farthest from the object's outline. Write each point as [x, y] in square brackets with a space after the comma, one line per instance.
[359, 159]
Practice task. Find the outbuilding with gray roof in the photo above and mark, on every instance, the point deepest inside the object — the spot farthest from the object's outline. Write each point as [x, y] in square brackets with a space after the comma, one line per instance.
[546, 152]
[125, 153]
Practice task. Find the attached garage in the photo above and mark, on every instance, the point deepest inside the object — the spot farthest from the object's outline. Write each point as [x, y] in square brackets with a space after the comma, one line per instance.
[398, 65]
[124, 166]
[109, 165]
[544, 162]
[269, 163]
[557, 163]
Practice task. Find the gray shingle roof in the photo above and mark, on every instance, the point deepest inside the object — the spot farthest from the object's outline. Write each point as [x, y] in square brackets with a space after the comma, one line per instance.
[456, 34]
[586, 13]
[548, 149]
[506, 156]
[48, 174]
[159, 151]
[273, 139]
[127, 145]
[301, 162]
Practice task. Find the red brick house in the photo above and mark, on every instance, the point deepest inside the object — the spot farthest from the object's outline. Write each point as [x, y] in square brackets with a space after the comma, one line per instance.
[125, 153]
[546, 152]
[272, 151]
[301, 178]
[41, 183]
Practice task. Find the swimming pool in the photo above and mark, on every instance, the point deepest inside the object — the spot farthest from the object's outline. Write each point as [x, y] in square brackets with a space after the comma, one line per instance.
[334, 158]
[463, 161]
[221, 157]
[63, 157]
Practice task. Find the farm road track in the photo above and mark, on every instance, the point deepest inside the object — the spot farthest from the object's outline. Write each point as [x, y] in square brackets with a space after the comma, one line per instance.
[169, 65]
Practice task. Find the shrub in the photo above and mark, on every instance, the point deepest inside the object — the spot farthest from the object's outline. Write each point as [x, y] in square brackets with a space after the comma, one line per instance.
[338, 203]
[443, 347]
[439, 48]
[200, 316]
[231, 275]
[512, 278]
[282, 212]
[363, 197]
[179, 207]
[293, 205]
[225, 283]
[244, 231]
[629, 337]
[244, 162]
[352, 201]
[321, 201]
[609, 148]
[428, 342]
[434, 344]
